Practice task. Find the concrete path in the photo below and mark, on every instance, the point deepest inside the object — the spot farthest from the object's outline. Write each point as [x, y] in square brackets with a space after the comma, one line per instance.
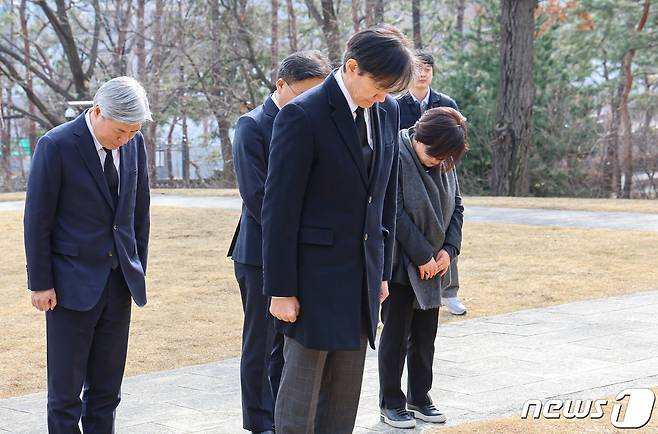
[626, 221]
[484, 368]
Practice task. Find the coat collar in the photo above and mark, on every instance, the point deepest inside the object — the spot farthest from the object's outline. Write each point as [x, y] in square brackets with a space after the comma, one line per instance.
[342, 117]
[87, 149]
[269, 107]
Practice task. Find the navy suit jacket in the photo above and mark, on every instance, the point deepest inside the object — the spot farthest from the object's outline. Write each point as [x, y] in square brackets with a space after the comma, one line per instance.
[251, 144]
[410, 111]
[72, 225]
[326, 223]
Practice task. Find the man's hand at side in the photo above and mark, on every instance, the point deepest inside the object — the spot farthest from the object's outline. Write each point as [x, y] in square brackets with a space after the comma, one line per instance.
[44, 300]
[383, 291]
[285, 308]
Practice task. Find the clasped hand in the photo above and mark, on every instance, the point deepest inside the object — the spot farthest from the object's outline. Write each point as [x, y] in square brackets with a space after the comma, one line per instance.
[438, 264]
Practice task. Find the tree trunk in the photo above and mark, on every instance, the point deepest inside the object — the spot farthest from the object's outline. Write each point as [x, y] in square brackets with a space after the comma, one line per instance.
[182, 99]
[292, 27]
[512, 136]
[459, 27]
[415, 14]
[31, 126]
[5, 139]
[140, 44]
[329, 23]
[169, 154]
[215, 93]
[154, 89]
[623, 108]
[374, 12]
[356, 15]
[274, 45]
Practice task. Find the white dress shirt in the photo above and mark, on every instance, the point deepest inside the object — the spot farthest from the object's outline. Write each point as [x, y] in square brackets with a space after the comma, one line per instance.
[101, 152]
[424, 103]
[354, 106]
[275, 100]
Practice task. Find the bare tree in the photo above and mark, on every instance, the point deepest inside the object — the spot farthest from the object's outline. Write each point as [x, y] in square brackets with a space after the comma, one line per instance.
[415, 18]
[31, 126]
[623, 107]
[459, 27]
[356, 15]
[374, 12]
[70, 82]
[329, 23]
[512, 133]
[274, 43]
[292, 27]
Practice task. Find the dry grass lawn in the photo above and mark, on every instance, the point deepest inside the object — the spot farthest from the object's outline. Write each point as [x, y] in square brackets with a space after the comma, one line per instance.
[194, 313]
[505, 268]
[516, 425]
[567, 203]
[224, 192]
[10, 197]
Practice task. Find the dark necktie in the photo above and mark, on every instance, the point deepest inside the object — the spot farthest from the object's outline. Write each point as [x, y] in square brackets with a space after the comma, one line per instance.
[111, 175]
[362, 135]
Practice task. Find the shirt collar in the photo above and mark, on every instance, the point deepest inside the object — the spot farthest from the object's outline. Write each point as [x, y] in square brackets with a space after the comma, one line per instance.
[425, 100]
[91, 130]
[275, 99]
[346, 94]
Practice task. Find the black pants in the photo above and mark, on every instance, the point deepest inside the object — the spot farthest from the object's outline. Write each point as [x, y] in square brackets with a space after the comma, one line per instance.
[261, 361]
[87, 352]
[408, 333]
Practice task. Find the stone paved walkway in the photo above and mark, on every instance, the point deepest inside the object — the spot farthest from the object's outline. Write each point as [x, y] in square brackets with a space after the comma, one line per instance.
[484, 368]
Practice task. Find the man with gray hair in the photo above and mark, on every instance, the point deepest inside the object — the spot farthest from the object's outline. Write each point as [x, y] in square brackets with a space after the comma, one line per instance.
[86, 241]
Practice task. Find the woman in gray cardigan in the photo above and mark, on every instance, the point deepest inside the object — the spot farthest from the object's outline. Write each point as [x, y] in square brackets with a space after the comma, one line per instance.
[428, 237]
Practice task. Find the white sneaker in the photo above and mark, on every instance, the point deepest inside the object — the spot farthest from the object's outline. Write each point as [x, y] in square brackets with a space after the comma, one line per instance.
[454, 305]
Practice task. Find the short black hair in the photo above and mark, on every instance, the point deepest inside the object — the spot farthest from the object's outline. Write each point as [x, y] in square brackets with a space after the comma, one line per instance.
[383, 52]
[444, 133]
[303, 65]
[424, 58]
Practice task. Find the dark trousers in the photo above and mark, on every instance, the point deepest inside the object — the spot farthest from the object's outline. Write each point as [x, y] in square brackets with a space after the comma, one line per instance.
[261, 362]
[408, 333]
[87, 352]
[453, 288]
[319, 389]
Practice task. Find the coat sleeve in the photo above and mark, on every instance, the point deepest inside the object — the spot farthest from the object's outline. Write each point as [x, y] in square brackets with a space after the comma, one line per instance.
[411, 239]
[289, 165]
[250, 165]
[390, 208]
[41, 200]
[454, 232]
[142, 204]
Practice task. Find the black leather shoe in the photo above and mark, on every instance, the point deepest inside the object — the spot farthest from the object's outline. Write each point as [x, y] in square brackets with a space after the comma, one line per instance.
[397, 418]
[427, 413]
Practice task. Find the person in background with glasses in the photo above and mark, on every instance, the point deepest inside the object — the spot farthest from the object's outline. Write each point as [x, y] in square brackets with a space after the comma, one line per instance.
[427, 239]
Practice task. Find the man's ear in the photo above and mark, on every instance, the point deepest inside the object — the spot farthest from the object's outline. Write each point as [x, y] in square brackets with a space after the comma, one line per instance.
[351, 65]
[279, 84]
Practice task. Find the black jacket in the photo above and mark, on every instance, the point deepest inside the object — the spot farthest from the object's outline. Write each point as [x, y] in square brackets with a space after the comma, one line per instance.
[326, 223]
[251, 145]
[410, 111]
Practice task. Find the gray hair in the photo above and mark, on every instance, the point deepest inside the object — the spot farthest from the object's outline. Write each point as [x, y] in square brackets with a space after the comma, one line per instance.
[123, 99]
